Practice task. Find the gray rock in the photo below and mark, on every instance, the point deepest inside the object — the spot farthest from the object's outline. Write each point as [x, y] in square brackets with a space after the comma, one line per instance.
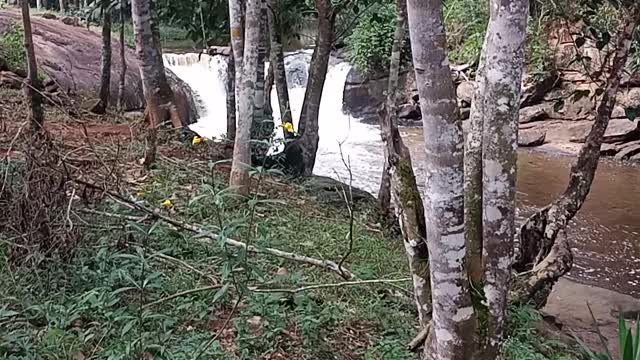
[628, 98]
[133, 115]
[534, 113]
[619, 130]
[328, 190]
[609, 149]
[628, 150]
[531, 138]
[465, 91]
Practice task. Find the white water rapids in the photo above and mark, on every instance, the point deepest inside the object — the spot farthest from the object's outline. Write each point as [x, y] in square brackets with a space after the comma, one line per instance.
[207, 77]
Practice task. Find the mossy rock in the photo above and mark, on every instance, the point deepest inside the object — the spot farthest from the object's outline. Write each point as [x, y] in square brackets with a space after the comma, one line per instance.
[328, 190]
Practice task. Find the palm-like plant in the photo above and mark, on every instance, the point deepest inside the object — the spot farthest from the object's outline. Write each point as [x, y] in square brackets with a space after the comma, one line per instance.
[629, 341]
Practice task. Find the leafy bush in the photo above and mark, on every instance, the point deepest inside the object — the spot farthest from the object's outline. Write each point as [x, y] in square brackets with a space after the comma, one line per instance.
[466, 22]
[12, 49]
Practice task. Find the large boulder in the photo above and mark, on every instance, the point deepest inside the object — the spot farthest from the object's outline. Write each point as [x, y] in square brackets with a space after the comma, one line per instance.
[465, 91]
[531, 138]
[534, 113]
[71, 57]
[619, 130]
[628, 150]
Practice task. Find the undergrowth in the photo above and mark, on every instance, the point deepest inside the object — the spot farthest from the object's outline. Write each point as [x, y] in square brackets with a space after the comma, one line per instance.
[12, 48]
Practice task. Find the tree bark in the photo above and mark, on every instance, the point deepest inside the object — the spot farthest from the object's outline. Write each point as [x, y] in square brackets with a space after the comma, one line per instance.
[239, 179]
[260, 129]
[105, 79]
[403, 189]
[544, 256]
[62, 6]
[31, 83]
[237, 42]
[160, 101]
[308, 124]
[268, 88]
[280, 73]
[123, 59]
[453, 320]
[38, 4]
[501, 85]
[231, 97]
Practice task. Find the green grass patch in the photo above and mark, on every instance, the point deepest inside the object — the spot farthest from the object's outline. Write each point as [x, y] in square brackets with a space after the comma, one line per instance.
[12, 49]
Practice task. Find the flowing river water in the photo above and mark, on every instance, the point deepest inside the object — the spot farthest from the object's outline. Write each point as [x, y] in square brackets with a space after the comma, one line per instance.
[605, 236]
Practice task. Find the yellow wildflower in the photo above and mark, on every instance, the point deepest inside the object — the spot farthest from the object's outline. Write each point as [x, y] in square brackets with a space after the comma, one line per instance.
[288, 127]
[141, 194]
[197, 140]
[167, 204]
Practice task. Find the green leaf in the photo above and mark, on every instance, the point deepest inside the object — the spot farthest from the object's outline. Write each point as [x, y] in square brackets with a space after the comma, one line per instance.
[128, 327]
[632, 112]
[627, 351]
[220, 293]
[622, 332]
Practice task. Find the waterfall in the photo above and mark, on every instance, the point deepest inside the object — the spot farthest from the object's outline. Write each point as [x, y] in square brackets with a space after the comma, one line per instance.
[360, 143]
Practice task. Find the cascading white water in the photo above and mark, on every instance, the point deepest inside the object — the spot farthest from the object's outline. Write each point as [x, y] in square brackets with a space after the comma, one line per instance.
[359, 142]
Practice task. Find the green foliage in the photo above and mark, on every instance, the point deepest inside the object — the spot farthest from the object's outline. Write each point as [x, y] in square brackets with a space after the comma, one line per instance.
[524, 343]
[372, 38]
[12, 49]
[187, 14]
[466, 23]
[628, 341]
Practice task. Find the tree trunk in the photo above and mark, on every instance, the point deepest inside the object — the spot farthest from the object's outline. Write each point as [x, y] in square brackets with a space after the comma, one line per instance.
[158, 95]
[403, 189]
[260, 129]
[62, 6]
[545, 253]
[268, 88]
[123, 59]
[31, 83]
[239, 178]
[308, 124]
[38, 4]
[237, 43]
[384, 192]
[231, 98]
[105, 79]
[505, 46]
[453, 320]
[280, 73]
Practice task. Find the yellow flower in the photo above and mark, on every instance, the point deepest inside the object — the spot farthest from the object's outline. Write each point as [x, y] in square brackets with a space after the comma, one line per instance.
[288, 127]
[167, 204]
[197, 140]
[141, 194]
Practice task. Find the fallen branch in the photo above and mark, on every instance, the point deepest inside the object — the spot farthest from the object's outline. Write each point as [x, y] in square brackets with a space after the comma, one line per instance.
[180, 294]
[420, 338]
[335, 285]
[208, 237]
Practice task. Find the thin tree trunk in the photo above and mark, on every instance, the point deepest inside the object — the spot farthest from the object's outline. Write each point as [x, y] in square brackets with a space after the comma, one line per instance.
[62, 6]
[239, 178]
[545, 253]
[237, 44]
[123, 59]
[308, 124]
[38, 4]
[453, 320]
[260, 130]
[231, 98]
[158, 95]
[505, 46]
[403, 189]
[384, 192]
[31, 83]
[105, 79]
[268, 88]
[280, 73]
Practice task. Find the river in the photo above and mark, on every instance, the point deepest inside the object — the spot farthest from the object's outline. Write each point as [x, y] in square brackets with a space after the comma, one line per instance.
[605, 236]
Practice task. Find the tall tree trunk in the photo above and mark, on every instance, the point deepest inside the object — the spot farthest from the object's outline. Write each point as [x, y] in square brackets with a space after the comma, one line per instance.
[545, 253]
[260, 129]
[453, 320]
[308, 124]
[505, 46]
[32, 84]
[38, 4]
[105, 79]
[402, 181]
[280, 73]
[231, 97]
[384, 192]
[158, 95]
[62, 6]
[123, 59]
[236, 14]
[239, 178]
[268, 88]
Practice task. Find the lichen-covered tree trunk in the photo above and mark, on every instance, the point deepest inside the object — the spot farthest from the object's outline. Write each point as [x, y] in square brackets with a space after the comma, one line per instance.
[105, 73]
[545, 253]
[403, 190]
[261, 127]
[308, 125]
[280, 74]
[501, 85]
[237, 41]
[384, 191]
[231, 98]
[160, 101]
[32, 84]
[123, 59]
[239, 179]
[453, 320]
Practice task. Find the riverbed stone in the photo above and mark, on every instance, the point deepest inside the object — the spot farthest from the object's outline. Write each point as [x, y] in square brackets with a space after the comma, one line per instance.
[628, 97]
[609, 149]
[534, 113]
[465, 91]
[628, 150]
[619, 130]
[531, 138]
